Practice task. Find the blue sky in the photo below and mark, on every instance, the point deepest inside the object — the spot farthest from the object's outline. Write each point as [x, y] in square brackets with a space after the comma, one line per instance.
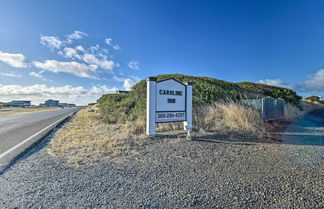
[75, 51]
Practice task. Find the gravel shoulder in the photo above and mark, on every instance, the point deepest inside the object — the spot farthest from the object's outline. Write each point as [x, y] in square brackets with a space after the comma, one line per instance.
[173, 172]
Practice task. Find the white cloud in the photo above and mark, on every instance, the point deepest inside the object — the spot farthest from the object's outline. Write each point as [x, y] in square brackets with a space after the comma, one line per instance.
[71, 53]
[11, 74]
[275, 82]
[128, 84]
[116, 47]
[75, 36]
[38, 93]
[38, 90]
[315, 83]
[51, 42]
[108, 41]
[119, 79]
[80, 48]
[100, 90]
[78, 69]
[133, 65]
[93, 60]
[54, 42]
[95, 55]
[94, 49]
[37, 75]
[14, 60]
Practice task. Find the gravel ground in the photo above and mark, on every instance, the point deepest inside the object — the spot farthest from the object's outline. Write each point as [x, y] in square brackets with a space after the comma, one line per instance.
[173, 173]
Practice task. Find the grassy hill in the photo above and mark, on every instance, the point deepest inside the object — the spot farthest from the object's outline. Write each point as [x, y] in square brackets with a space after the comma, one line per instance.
[277, 92]
[128, 107]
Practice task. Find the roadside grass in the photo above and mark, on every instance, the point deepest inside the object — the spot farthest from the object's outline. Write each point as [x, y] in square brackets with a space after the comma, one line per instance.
[229, 118]
[87, 138]
[24, 111]
[92, 136]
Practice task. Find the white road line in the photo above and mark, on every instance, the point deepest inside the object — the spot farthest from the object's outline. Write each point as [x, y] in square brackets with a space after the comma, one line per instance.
[29, 138]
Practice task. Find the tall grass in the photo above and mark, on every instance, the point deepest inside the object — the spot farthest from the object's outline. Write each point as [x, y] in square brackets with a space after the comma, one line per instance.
[89, 138]
[292, 112]
[229, 117]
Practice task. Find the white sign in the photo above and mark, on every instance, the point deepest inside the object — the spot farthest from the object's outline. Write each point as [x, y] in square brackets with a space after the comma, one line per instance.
[168, 101]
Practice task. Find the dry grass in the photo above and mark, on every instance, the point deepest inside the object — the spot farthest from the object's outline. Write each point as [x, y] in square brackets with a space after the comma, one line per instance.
[169, 126]
[229, 117]
[86, 138]
[24, 111]
[293, 113]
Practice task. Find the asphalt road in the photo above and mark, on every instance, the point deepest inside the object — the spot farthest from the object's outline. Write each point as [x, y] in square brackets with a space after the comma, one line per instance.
[15, 129]
[306, 131]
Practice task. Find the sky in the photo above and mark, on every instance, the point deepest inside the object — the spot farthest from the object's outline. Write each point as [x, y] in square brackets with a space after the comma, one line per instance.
[75, 51]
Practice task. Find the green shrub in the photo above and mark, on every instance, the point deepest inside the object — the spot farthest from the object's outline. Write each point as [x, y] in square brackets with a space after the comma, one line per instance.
[132, 106]
[118, 108]
[273, 91]
[205, 90]
[313, 98]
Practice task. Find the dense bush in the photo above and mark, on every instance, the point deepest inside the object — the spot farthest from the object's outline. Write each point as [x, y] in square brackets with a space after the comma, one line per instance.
[205, 90]
[131, 106]
[122, 107]
[313, 99]
[273, 91]
[127, 107]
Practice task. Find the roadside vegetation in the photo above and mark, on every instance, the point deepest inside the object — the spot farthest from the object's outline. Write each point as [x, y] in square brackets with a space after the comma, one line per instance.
[87, 138]
[229, 118]
[115, 126]
[314, 99]
[116, 108]
[273, 91]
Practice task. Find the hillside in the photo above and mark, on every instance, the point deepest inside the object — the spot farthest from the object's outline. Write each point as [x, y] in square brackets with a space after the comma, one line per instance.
[127, 107]
[273, 91]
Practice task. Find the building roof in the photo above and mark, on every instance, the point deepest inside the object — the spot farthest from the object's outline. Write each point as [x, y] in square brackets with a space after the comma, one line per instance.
[52, 100]
[122, 92]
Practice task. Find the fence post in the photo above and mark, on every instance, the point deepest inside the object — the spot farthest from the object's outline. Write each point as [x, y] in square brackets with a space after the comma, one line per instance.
[150, 106]
[263, 108]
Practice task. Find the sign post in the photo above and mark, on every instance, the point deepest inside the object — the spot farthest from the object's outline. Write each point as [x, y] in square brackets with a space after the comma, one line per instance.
[188, 123]
[151, 106]
[168, 101]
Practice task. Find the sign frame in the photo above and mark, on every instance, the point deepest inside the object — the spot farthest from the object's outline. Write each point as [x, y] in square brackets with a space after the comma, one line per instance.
[152, 110]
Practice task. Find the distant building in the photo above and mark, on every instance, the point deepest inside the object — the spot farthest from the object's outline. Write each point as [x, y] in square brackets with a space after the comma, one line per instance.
[52, 103]
[20, 103]
[122, 92]
[66, 105]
